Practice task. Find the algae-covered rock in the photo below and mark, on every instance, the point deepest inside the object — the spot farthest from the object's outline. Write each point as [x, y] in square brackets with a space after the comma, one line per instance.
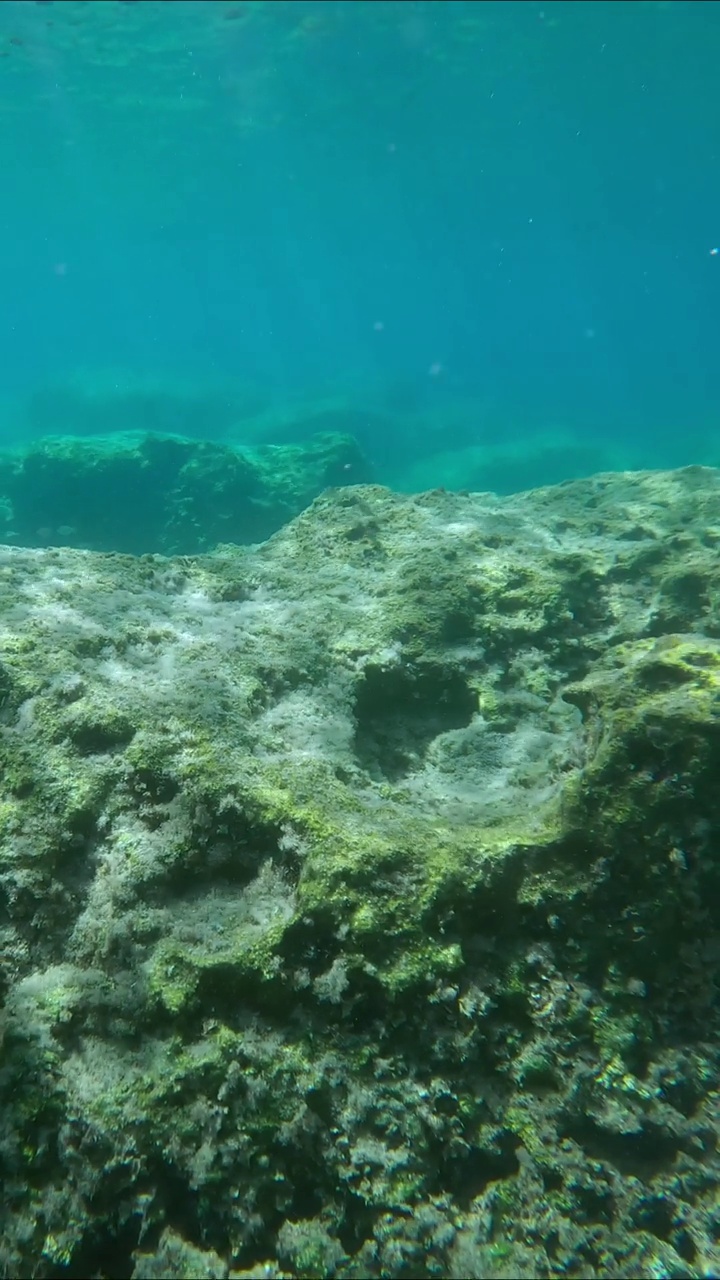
[360, 893]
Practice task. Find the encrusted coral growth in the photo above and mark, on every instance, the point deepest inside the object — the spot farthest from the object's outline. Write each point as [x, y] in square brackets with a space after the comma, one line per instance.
[359, 894]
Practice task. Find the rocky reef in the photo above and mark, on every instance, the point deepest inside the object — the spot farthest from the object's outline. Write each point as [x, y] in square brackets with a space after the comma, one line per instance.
[143, 492]
[359, 893]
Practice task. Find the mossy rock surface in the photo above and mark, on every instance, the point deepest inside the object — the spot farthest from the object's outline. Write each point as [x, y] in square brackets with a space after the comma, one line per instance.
[360, 893]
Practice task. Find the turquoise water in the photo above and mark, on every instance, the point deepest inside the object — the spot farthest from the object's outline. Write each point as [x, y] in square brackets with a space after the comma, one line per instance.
[484, 231]
[359, 889]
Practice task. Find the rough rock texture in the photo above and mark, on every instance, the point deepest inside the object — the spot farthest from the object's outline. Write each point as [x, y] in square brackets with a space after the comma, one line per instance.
[140, 493]
[359, 896]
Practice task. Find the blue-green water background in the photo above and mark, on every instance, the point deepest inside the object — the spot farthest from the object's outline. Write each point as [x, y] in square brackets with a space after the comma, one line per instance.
[485, 228]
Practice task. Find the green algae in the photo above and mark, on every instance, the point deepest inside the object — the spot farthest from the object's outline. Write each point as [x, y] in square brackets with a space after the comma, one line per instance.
[361, 888]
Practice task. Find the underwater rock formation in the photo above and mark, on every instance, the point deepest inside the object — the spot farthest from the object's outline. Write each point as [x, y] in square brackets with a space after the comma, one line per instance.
[359, 893]
[143, 493]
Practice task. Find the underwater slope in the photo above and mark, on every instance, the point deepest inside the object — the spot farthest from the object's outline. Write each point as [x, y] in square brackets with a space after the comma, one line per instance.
[360, 904]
